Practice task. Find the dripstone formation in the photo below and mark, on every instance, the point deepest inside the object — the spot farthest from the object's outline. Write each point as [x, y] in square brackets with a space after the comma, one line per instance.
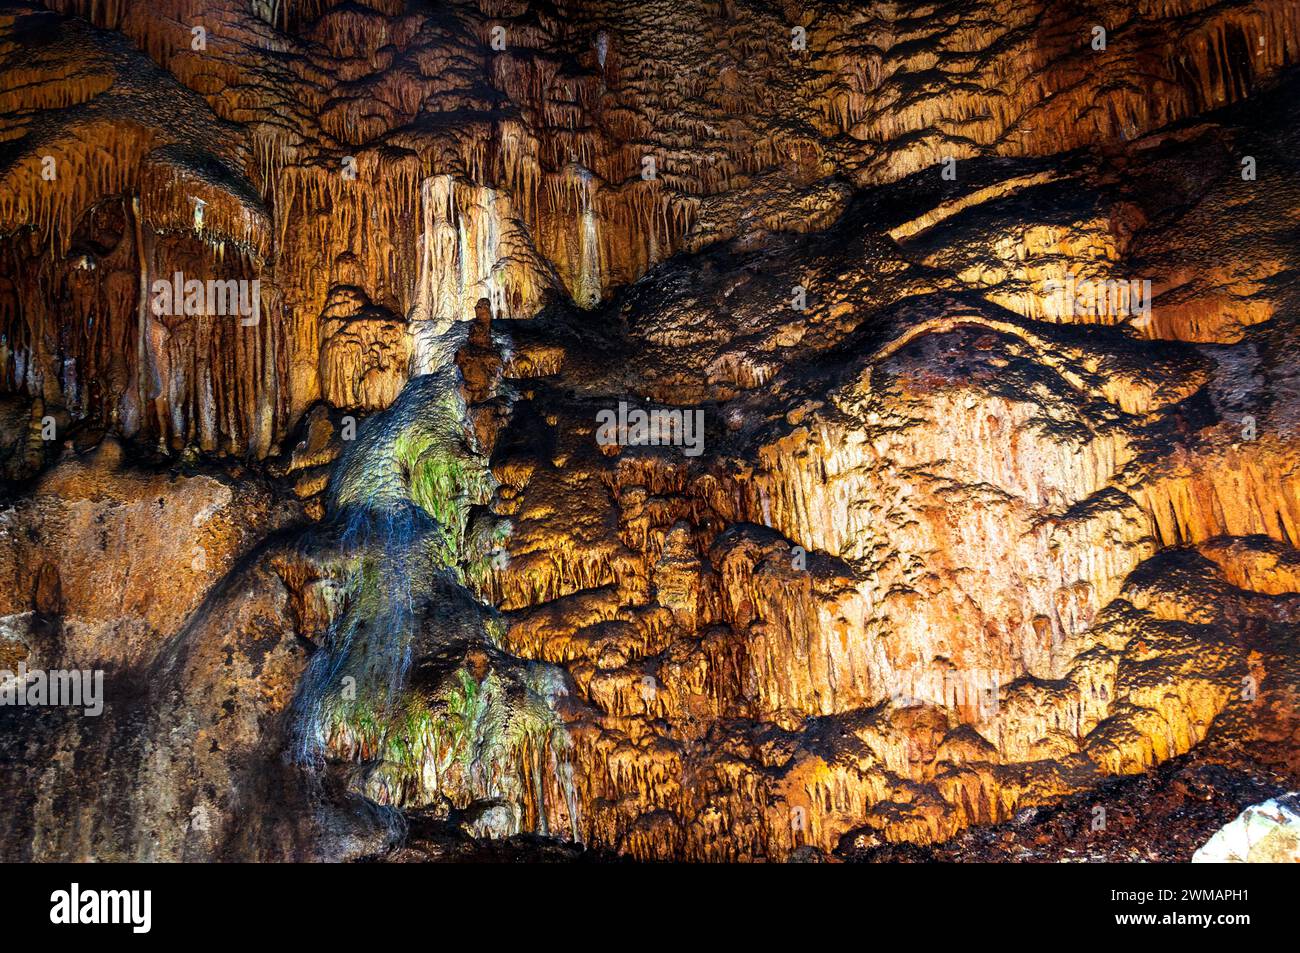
[956, 485]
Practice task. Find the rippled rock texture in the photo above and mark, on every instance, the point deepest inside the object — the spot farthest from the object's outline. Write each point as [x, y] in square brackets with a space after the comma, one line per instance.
[672, 430]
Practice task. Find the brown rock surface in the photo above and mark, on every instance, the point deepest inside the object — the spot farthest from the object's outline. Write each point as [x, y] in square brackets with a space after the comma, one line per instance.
[915, 547]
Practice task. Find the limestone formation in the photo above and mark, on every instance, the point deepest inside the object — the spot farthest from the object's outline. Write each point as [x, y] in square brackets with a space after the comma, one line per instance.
[702, 430]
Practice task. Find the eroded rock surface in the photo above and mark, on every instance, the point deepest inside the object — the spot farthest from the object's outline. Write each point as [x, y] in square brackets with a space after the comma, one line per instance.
[972, 486]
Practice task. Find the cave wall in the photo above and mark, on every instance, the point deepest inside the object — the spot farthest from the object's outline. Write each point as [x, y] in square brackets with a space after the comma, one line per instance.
[377, 166]
[950, 549]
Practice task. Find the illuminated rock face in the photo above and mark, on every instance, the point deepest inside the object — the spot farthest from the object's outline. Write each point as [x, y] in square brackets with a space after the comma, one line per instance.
[678, 430]
[507, 151]
[1263, 833]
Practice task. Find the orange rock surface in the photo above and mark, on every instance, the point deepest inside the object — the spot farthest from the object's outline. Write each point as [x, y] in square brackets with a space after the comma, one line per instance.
[917, 539]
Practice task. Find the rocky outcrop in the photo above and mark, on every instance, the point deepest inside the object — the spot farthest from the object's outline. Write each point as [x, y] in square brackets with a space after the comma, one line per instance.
[1267, 833]
[89, 578]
